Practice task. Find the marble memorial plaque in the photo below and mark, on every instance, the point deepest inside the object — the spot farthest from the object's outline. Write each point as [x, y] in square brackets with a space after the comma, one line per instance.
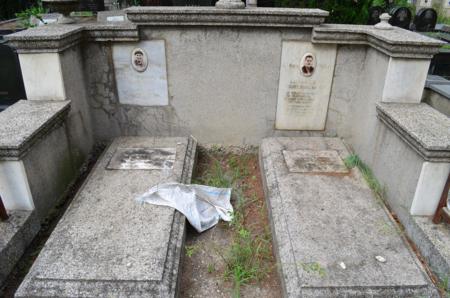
[314, 161]
[142, 159]
[304, 88]
[141, 75]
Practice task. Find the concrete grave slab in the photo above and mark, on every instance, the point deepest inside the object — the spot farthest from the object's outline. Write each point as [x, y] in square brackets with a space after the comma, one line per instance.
[108, 245]
[329, 230]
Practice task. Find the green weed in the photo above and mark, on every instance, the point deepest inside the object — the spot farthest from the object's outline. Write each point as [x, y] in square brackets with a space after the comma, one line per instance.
[444, 285]
[352, 161]
[211, 268]
[191, 250]
[314, 268]
[246, 259]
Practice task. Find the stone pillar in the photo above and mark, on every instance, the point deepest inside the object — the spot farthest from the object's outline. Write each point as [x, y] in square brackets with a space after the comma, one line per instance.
[405, 80]
[33, 151]
[42, 76]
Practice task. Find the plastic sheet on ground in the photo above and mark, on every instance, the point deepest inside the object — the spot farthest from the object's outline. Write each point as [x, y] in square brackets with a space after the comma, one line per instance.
[202, 205]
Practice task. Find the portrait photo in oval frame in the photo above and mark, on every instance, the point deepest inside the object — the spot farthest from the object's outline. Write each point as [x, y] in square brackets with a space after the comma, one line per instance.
[139, 59]
[308, 64]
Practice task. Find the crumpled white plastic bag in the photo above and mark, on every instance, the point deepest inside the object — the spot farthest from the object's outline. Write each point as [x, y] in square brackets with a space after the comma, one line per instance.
[202, 205]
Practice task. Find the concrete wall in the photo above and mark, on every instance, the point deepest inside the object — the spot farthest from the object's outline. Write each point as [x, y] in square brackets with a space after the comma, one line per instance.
[79, 124]
[50, 167]
[437, 101]
[222, 84]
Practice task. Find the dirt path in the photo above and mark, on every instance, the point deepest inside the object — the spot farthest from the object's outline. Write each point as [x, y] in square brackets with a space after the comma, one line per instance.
[232, 259]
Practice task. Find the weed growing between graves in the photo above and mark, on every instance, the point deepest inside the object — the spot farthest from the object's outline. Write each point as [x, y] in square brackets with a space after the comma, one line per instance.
[248, 258]
[352, 161]
[191, 250]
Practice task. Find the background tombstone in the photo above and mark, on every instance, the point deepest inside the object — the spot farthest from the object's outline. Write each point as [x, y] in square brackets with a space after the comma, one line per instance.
[374, 15]
[401, 17]
[425, 20]
[92, 5]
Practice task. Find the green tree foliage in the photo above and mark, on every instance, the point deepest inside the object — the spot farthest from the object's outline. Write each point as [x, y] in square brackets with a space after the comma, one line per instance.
[9, 8]
[342, 11]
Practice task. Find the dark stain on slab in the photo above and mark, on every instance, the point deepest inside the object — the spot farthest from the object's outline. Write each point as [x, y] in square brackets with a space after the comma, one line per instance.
[142, 159]
[313, 161]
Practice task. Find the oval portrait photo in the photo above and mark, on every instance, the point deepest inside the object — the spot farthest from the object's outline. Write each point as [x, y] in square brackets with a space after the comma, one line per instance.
[308, 64]
[139, 60]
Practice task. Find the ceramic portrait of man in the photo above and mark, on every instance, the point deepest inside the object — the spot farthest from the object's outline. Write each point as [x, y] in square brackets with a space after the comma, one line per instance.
[308, 64]
[139, 60]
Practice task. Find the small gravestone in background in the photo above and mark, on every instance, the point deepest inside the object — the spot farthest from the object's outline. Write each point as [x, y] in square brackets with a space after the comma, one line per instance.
[374, 15]
[401, 17]
[425, 20]
[92, 5]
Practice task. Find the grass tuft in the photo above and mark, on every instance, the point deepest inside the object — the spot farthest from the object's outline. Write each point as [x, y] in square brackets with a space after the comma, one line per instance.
[247, 257]
[353, 161]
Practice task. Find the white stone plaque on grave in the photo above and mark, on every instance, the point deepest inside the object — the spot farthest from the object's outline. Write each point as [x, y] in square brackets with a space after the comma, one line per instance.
[141, 75]
[304, 88]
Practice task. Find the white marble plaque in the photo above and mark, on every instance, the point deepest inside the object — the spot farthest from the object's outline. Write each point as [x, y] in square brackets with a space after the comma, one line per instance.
[146, 87]
[306, 76]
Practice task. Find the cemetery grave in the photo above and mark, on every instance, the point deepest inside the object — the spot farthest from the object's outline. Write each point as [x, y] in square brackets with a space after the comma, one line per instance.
[349, 167]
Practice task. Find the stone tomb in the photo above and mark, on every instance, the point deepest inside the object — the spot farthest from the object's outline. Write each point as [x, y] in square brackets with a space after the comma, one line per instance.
[109, 245]
[304, 87]
[328, 228]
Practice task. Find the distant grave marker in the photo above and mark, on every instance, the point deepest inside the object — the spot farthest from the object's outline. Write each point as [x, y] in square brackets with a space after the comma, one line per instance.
[425, 20]
[374, 15]
[401, 17]
[92, 5]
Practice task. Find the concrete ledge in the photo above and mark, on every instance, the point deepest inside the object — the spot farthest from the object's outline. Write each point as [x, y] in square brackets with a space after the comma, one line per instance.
[433, 242]
[442, 89]
[57, 38]
[419, 125]
[50, 38]
[15, 235]
[436, 80]
[112, 32]
[210, 16]
[397, 42]
[23, 123]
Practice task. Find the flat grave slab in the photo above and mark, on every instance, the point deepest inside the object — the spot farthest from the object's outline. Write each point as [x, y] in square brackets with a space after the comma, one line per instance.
[107, 244]
[329, 229]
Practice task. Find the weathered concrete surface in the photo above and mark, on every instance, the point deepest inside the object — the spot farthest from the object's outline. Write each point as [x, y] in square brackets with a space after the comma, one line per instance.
[433, 242]
[322, 220]
[109, 245]
[15, 235]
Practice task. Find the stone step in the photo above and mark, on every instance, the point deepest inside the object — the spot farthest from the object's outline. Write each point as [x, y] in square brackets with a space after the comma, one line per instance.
[328, 228]
[108, 245]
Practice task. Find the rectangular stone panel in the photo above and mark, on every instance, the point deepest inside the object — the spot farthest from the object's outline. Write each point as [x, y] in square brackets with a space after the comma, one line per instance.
[142, 159]
[332, 238]
[314, 161]
[109, 245]
[144, 85]
[306, 76]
